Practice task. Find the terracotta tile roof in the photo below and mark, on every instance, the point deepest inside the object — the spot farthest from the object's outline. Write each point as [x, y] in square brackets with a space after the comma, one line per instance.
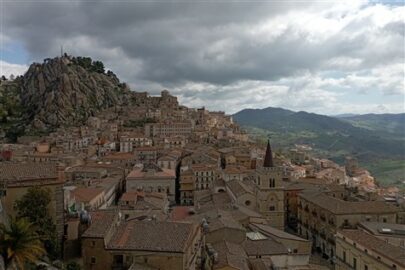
[377, 245]
[217, 219]
[338, 206]
[230, 254]
[86, 194]
[159, 236]
[101, 222]
[264, 247]
[167, 158]
[203, 167]
[238, 188]
[235, 170]
[27, 171]
[139, 173]
[140, 200]
[396, 230]
[258, 264]
[180, 213]
[119, 156]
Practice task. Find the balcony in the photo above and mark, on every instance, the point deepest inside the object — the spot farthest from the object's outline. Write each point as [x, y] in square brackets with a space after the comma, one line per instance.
[314, 214]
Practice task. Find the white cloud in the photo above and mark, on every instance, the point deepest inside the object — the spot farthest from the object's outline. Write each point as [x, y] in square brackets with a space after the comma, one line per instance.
[8, 69]
[232, 56]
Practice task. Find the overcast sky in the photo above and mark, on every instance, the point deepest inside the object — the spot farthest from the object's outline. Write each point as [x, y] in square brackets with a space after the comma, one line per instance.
[328, 57]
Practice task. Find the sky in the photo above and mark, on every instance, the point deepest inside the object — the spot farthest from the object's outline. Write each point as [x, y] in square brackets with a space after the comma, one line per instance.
[327, 57]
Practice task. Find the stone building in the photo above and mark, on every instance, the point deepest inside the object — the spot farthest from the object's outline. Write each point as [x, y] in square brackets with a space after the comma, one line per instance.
[168, 128]
[356, 249]
[130, 141]
[111, 242]
[146, 155]
[17, 178]
[151, 178]
[205, 175]
[187, 187]
[270, 191]
[320, 216]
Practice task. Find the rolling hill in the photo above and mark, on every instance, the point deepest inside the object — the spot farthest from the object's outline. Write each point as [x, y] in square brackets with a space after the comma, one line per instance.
[374, 139]
[392, 123]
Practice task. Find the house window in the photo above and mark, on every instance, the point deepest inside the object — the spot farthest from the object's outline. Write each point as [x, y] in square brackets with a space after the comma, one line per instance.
[365, 267]
[93, 260]
[93, 243]
[247, 203]
[355, 263]
[272, 208]
[344, 256]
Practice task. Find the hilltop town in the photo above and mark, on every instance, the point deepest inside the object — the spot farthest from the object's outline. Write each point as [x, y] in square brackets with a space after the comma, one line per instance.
[143, 182]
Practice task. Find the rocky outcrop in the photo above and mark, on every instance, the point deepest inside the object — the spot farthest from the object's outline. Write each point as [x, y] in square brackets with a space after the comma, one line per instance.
[66, 91]
[61, 91]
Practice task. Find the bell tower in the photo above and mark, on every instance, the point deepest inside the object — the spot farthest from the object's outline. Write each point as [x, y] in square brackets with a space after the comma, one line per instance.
[270, 190]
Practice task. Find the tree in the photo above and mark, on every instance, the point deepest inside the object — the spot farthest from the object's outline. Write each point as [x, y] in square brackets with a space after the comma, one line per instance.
[34, 206]
[98, 66]
[19, 243]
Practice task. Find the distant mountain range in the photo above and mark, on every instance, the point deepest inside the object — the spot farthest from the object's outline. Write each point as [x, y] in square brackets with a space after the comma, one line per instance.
[392, 123]
[368, 136]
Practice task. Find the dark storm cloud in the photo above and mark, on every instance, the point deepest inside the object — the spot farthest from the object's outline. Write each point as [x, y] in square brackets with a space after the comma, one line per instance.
[208, 52]
[173, 41]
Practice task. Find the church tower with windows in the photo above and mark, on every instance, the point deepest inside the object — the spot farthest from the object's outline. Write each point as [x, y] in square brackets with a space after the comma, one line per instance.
[270, 190]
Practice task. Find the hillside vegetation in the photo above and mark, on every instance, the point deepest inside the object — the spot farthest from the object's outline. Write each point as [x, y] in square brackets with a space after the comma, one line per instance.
[378, 141]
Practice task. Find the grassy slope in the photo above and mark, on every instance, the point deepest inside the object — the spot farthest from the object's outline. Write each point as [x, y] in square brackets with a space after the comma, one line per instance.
[378, 144]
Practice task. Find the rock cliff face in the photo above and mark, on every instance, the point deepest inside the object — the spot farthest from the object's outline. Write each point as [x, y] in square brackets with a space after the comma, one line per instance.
[62, 91]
